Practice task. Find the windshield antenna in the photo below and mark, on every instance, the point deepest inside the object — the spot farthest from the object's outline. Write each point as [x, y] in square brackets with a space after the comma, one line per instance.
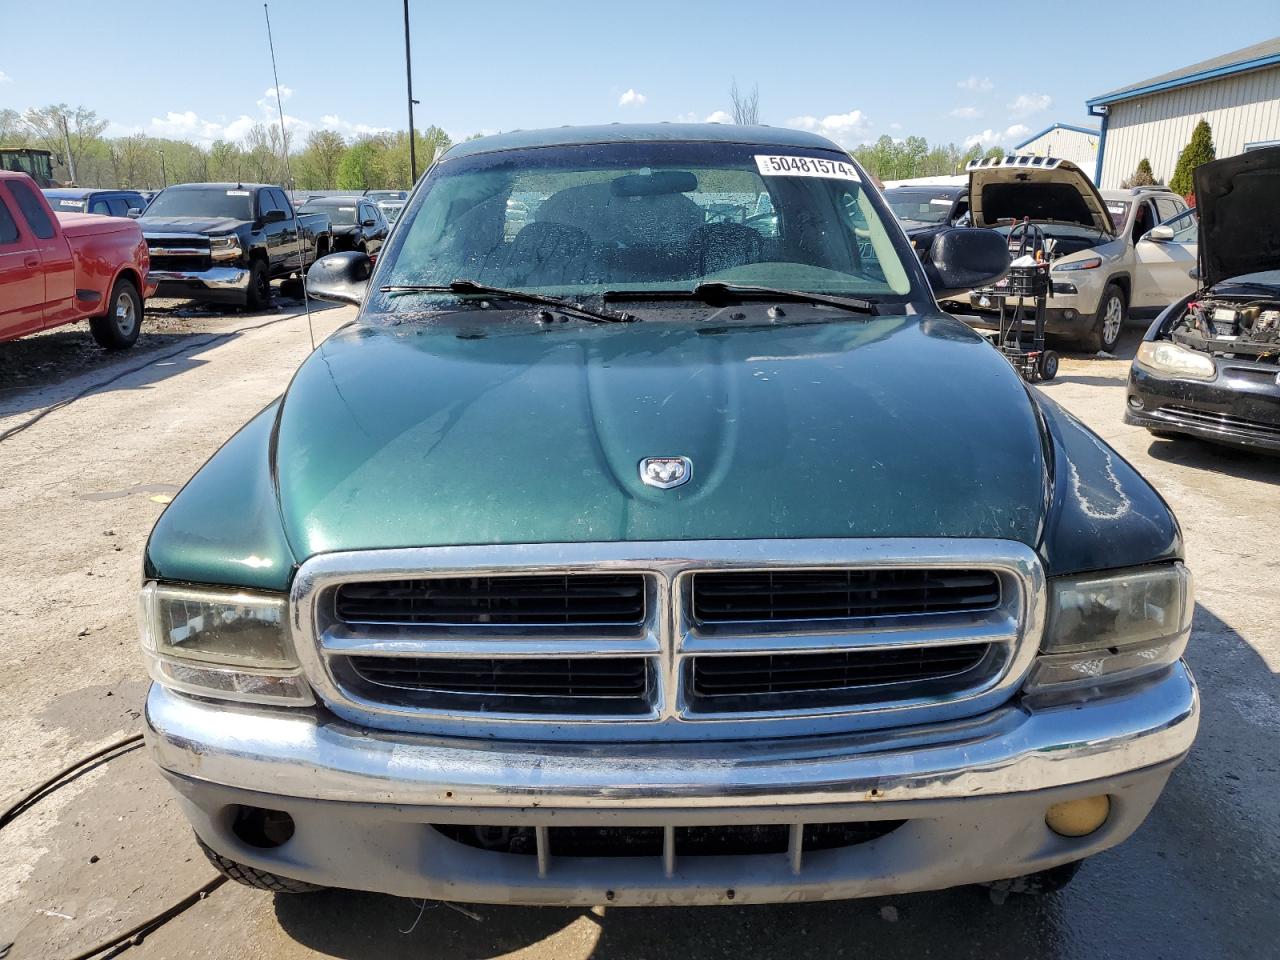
[288, 173]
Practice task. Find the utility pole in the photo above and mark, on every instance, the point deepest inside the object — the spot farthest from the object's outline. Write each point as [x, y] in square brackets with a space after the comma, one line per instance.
[408, 73]
[164, 174]
[66, 139]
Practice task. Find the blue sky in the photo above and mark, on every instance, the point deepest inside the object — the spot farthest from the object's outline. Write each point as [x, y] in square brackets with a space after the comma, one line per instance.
[949, 72]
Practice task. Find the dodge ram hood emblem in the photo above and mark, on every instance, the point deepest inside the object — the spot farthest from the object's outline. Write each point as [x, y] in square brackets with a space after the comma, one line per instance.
[665, 472]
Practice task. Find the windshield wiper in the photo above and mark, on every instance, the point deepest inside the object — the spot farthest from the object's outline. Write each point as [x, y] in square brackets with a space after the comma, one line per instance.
[715, 292]
[471, 288]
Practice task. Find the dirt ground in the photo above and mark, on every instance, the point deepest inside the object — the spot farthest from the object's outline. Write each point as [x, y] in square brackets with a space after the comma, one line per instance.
[93, 445]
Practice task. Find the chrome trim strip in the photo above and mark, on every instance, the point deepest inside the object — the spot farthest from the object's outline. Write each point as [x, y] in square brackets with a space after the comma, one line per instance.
[306, 753]
[667, 564]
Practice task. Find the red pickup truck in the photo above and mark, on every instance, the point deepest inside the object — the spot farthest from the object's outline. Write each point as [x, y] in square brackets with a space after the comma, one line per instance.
[60, 268]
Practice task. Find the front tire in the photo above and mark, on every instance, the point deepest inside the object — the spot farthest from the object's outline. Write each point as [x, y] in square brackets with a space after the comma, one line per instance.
[119, 327]
[259, 293]
[253, 877]
[1108, 321]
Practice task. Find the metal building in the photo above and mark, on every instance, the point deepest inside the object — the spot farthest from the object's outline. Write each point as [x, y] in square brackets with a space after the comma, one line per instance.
[1066, 142]
[1238, 93]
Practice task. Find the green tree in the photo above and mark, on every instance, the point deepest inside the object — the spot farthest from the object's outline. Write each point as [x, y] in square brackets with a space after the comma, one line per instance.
[1199, 150]
[356, 168]
[317, 164]
[68, 133]
[1142, 177]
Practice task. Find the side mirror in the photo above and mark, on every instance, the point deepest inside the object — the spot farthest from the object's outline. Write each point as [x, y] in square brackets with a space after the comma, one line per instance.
[134, 212]
[370, 222]
[274, 216]
[340, 277]
[1194, 273]
[1160, 234]
[962, 258]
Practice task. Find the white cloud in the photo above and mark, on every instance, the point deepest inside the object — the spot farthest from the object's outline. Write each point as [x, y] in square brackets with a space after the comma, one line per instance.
[983, 85]
[966, 113]
[632, 98]
[719, 116]
[5, 78]
[895, 126]
[844, 128]
[332, 121]
[1029, 103]
[285, 93]
[185, 125]
[1003, 138]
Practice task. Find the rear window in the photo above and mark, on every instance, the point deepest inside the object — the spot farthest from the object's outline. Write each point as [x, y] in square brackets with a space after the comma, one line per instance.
[66, 204]
[32, 209]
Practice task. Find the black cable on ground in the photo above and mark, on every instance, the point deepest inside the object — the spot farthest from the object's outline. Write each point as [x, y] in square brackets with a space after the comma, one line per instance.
[94, 387]
[135, 935]
[36, 793]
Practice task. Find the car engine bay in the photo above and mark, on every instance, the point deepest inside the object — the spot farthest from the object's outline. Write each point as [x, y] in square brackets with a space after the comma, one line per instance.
[1232, 328]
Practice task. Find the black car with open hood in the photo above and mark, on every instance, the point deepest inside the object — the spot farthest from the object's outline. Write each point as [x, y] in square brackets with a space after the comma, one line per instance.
[1210, 364]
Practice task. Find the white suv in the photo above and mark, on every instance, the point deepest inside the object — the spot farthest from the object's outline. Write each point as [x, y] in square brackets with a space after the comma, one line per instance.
[1101, 272]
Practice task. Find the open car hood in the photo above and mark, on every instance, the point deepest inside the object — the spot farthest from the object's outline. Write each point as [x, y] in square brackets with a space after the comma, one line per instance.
[1237, 199]
[1044, 189]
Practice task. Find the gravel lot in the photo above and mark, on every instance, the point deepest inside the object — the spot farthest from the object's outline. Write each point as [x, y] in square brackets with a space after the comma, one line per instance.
[102, 441]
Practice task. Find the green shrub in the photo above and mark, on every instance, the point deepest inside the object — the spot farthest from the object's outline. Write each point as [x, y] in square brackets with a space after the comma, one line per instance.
[1199, 150]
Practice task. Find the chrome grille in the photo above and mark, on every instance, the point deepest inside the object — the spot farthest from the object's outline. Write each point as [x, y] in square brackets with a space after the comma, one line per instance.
[709, 639]
[772, 595]
[532, 601]
[553, 677]
[1221, 421]
[845, 670]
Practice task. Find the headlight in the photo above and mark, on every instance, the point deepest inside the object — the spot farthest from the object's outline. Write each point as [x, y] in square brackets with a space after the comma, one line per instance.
[224, 248]
[1092, 263]
[1108, 627]
[221, 643]
[1165, 357]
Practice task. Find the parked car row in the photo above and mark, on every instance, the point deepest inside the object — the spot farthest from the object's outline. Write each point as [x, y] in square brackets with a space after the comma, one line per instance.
[1209, 366]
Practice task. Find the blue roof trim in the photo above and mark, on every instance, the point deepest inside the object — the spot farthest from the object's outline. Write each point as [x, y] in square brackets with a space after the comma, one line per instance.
[1216, 73]
[1057, 126]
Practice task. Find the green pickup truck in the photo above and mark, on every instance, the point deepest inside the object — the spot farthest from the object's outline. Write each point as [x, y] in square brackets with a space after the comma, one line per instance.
[651, 537]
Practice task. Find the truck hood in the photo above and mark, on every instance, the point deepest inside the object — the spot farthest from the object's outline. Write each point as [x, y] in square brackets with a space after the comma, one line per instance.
[483, 426]
[211, 225]
[1043, 189]
[1236, 200]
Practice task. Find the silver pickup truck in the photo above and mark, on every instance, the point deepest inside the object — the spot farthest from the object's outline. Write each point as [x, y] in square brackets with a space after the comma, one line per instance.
[636, 546]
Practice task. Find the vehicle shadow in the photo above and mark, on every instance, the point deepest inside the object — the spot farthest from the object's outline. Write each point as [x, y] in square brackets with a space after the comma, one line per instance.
[1177, 888]
[1234, 461]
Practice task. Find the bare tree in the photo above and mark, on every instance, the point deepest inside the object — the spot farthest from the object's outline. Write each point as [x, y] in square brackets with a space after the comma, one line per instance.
[746, 107]
[59, 129]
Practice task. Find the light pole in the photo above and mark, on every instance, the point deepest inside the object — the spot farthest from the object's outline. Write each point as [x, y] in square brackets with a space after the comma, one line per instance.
[408, 73]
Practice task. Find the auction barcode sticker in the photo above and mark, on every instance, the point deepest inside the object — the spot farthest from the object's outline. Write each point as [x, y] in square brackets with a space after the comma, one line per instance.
[237, 193]
[805, 167]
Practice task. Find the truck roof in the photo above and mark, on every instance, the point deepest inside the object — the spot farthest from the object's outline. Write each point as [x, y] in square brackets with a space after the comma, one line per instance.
[641, 133]
[223, 186]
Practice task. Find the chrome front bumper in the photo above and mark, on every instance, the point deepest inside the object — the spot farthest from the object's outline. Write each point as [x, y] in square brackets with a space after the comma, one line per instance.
[229, 284]
[973, 794]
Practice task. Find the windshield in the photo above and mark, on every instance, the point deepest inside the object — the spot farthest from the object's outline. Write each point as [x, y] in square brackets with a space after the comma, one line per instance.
[390, 210]
[919, 205]
[66, 204]
[1119, 211]
[340, 214]
[231, 203]
[581, 220]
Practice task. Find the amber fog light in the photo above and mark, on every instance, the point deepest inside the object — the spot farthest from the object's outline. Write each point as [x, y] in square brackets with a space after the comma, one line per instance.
[1078, 818]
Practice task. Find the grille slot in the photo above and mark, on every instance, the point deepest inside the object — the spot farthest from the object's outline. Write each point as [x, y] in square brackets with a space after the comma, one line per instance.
[762, 675]
[798, 595]
[555, 677]
[699, 841]
[1223, 421]
[538, 600]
